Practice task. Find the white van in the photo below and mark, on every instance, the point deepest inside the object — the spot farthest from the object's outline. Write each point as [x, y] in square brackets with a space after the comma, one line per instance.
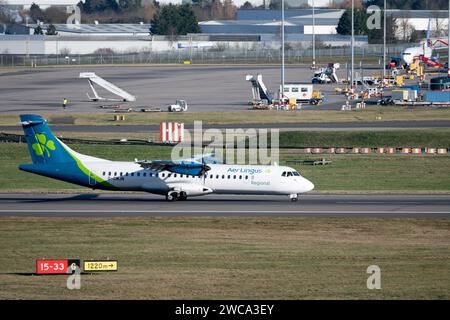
[302, 92]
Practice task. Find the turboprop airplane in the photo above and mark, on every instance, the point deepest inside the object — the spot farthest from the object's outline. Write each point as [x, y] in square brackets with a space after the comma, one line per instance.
[176, 179]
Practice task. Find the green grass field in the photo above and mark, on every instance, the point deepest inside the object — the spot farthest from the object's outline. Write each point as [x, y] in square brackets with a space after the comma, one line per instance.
[261, 116]
[419, 138]
[347, 173]
[230, 258]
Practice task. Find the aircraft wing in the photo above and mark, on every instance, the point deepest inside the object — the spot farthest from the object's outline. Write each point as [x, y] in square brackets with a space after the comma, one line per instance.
[204, 158]
[193, 168]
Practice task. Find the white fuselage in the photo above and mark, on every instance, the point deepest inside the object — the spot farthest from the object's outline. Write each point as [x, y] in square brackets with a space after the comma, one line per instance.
[221, 178]
[413, 53]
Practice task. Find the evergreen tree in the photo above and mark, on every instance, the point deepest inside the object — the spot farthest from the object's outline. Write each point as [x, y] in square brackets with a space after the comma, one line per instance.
[36, 13]
[375, 35]
[91, 6]
[174, 20]
[344, 26]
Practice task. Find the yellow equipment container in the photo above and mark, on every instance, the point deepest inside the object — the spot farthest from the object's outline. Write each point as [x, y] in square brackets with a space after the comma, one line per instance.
[316, 95]
[399, 80]
[420, 71]
[292, 102]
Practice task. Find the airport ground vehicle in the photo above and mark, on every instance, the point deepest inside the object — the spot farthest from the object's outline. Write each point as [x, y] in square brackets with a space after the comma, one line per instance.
[302, 92]
[95, 79]
[440, 83]
[179, 106]
[326, 75]
[320, 78]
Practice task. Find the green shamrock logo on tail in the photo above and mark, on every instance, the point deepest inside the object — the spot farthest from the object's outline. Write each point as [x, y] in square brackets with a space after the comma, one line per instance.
[43, 145]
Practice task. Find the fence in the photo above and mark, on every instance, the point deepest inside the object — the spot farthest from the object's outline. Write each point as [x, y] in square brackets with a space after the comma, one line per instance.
[370, 53]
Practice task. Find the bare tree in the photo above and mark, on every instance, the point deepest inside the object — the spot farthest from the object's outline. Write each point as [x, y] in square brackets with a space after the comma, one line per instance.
[438, 25]
[405, 29]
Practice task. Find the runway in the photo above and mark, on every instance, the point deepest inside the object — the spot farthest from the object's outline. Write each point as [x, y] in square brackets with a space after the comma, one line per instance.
[145, 205]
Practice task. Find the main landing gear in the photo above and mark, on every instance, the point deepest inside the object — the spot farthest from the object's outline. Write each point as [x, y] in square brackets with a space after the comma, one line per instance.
[174, 195]
[293, 197]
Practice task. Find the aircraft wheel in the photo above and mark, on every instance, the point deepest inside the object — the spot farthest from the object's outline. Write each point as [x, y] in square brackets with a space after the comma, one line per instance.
[171, 196]
[294, 199]
[182, 196]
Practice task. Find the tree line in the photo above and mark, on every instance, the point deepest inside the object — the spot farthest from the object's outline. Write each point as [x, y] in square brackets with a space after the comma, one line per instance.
[396, 31]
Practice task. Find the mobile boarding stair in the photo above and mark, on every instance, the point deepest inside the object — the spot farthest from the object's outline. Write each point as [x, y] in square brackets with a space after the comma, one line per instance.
[93, 78]
[261, 95]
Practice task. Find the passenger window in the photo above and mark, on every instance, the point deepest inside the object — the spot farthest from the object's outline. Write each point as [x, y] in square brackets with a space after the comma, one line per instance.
[138, 174]
[145, 174]
[115, 173]
[211, 176]
[104, 173]
[169, 175]
[229, 176]
[286, 89]
[163, 175]
[294, 89]
[304, 89]
[240, 177]
[223, 176]
[175, 175]
[246, 177]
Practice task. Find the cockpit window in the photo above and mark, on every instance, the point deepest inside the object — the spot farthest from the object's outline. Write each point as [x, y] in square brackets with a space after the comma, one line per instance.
[289, 174]
[295, 173]
[283, 174]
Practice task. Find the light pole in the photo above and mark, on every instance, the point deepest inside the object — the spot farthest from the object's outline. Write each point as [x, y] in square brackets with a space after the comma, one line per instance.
[353, 46]
[384, 43]
[448, 23]
[282, 50]
[314, 35]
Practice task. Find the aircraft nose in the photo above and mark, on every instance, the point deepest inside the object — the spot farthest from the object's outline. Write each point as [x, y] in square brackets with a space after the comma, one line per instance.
[310, 185]
[306, 185]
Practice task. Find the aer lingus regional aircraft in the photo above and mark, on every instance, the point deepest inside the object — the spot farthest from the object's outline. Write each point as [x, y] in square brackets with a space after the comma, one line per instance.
[176, 179]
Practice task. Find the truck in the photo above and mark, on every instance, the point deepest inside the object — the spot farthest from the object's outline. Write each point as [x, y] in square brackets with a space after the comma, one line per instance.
[179, 106]
[326, 75]
[320, 77]
[302, 92]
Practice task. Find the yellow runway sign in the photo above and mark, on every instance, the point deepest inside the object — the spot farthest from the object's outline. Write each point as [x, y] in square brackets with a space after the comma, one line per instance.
[100, 265]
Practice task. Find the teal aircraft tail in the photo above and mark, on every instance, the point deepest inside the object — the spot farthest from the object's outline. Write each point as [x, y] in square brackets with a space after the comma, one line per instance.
[52, 158]
[43, 146]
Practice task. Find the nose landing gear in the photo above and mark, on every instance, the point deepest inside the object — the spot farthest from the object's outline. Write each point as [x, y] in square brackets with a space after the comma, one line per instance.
[293, 197]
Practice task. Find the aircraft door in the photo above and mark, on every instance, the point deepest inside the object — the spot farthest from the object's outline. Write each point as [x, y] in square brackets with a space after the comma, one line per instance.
[92, 180]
